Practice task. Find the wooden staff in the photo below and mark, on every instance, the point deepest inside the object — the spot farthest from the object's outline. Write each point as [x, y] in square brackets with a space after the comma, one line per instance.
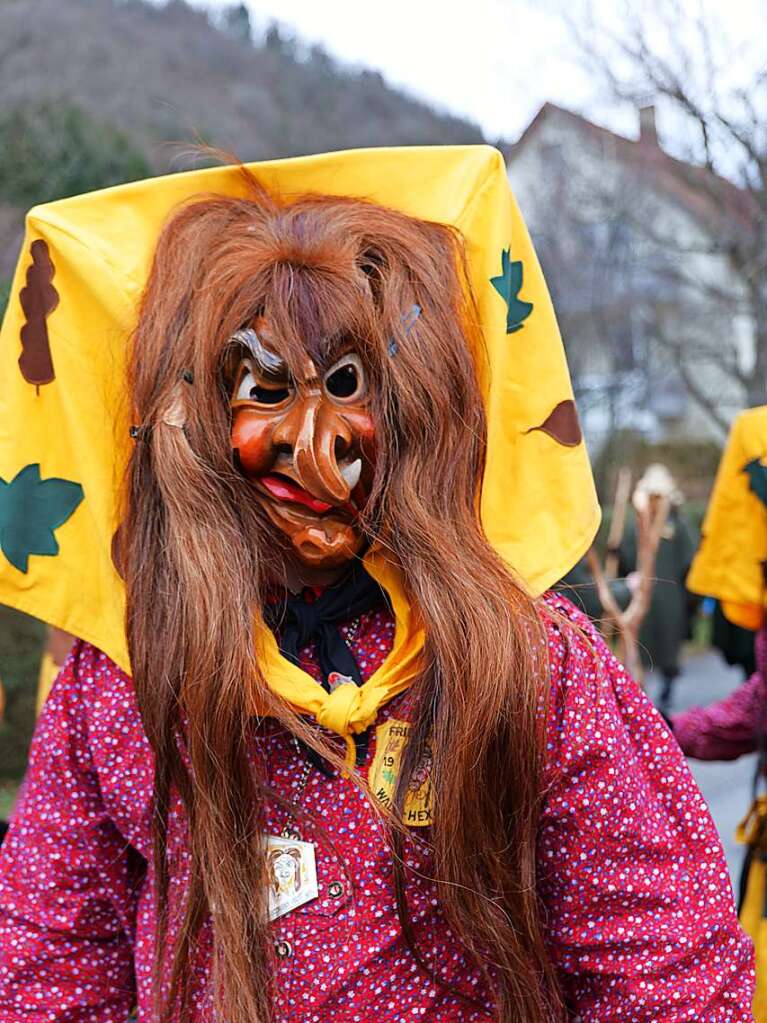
[618, 521]
[615, 536]
[650, 525]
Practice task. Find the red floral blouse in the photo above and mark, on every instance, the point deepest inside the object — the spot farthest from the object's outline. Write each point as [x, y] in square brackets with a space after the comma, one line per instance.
[638, 909]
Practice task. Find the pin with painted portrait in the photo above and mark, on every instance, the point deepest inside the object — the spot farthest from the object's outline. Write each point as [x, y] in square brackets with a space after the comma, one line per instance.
[292, 874]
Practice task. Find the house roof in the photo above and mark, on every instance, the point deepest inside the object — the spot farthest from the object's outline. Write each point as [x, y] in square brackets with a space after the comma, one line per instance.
[707, 196]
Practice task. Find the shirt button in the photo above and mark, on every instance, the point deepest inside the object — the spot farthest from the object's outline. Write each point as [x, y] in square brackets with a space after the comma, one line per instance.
[335, 889]
[283, 949]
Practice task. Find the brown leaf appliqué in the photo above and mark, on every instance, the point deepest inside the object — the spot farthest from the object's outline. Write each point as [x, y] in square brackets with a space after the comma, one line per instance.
[38, 300]
[562, 425]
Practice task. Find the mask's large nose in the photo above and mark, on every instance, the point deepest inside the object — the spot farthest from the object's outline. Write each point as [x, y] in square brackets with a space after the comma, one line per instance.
[318, 436]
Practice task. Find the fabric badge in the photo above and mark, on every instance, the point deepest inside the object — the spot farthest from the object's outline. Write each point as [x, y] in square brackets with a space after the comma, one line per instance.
[391, 738]
[292, 874]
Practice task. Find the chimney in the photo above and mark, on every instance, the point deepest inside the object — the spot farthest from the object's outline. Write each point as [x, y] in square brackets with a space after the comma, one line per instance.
[648, 133]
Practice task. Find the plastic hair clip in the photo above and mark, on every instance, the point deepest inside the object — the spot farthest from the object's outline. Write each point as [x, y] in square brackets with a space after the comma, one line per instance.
[408, 322]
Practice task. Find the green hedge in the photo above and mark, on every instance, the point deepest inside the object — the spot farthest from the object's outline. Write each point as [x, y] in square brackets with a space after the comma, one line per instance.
[692, 462]
[21, 643]
[53, 150]
[5, 290]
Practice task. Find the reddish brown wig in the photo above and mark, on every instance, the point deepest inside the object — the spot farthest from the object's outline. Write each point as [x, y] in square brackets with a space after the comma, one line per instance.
[197, 556]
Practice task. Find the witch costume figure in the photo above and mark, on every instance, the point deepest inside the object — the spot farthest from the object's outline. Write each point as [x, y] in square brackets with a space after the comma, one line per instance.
[308, 557]
[730, 565]
[666, 625]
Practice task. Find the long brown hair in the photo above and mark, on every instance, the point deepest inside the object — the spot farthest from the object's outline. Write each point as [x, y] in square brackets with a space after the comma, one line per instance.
[197, 554]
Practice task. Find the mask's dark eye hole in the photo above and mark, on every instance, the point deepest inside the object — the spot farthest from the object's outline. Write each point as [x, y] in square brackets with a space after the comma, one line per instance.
[268, 395]
[345, 381]
[256, 386]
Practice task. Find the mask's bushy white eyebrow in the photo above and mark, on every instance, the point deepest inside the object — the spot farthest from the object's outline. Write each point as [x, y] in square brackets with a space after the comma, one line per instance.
[248, 338]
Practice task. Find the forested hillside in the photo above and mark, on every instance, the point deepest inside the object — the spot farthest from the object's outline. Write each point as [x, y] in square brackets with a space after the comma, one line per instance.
[166, 73]
[93, 92]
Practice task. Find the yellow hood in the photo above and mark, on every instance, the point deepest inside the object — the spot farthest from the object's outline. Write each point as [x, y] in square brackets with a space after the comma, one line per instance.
[64, 408]
[732, 558]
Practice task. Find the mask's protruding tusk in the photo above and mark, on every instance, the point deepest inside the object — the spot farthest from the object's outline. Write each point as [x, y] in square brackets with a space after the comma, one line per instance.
[351, 473]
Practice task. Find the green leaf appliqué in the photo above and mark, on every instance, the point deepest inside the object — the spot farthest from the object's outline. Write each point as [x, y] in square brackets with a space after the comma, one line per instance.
[508, 284]
[757, 479]
[30, 510]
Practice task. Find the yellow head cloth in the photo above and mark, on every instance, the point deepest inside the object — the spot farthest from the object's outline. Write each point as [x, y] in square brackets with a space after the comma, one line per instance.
[538, 502]
[732, 557]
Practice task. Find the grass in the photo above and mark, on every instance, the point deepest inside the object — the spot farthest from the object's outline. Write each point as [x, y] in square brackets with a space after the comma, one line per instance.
[21, 640]
[8, 793]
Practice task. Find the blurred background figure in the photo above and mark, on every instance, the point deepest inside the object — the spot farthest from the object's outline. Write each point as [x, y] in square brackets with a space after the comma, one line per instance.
[620, 606]
[730, 566]
[667, 623]
[735, 643]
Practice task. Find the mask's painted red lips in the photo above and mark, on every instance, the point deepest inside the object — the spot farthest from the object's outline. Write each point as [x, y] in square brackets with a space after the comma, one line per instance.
[285, 490]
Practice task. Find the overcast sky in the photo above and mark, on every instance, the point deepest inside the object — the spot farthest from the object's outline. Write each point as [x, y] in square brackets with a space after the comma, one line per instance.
[495, 61]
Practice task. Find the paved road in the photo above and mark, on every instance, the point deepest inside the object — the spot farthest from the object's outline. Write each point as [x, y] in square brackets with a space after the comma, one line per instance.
[726, 785]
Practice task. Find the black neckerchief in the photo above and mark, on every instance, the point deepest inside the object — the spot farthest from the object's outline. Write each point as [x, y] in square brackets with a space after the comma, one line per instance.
[298, 622]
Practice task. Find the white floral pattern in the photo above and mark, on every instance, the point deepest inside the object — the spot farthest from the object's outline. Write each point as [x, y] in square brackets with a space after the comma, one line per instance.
[638, 910]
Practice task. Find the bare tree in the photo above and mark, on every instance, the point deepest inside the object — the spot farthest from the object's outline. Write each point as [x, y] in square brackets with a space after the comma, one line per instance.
[584, 243]
[701, 82]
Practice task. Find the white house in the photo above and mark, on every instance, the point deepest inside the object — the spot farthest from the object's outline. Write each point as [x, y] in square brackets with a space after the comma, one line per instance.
[652, 313]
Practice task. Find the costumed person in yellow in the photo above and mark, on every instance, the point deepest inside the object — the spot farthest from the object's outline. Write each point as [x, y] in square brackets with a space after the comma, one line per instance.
[665, 627]
[730, 565]
[325, 750]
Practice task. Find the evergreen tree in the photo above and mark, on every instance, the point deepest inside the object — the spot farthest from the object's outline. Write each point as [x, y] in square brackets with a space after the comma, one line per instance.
[53, 150]
[236, 23]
